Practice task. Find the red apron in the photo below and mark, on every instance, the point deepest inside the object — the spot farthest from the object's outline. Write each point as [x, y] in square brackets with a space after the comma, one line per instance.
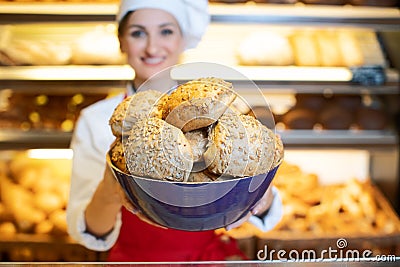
[140, 241]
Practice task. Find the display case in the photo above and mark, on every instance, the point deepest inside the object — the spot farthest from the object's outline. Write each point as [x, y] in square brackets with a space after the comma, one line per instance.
[350, 107]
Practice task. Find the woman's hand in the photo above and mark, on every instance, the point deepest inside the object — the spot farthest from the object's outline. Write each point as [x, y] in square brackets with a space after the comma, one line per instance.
[262, 206]
[111, 182]
[109, 176]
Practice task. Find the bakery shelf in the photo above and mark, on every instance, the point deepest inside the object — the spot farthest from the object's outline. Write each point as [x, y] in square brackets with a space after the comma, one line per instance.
[15, 139]
[45, 248]
[375, 17]
[67, 72]
[64, 12]
[11, 139]
[372, 17]
[344, 138]
[124, 72]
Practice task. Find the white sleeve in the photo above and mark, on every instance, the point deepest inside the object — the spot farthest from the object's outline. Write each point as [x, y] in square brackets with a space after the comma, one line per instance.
[273, 215]
[87, 171]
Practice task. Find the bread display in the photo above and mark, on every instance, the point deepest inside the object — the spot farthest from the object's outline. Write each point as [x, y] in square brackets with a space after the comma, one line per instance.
[335, 112]
[32, 191]
[228, 145]
[36, 52]
[106, 50]
[198, 103]
[314, 213]
[344, 208]
[265, 48]
[303, 47]
[37, 45]
[53, 111]
[133, 108]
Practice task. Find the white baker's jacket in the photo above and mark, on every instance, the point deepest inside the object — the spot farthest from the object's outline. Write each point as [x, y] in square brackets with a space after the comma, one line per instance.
[90, 142]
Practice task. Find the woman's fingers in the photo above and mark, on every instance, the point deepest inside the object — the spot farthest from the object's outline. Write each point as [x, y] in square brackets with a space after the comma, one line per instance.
[239, 222]
[264, 203]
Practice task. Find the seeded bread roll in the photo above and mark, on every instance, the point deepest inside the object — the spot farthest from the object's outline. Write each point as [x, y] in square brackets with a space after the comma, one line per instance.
[133, 108]
[279, 152]
[158, 150]
[198, 141]
[117, 155]
[198, 177]
[198, 103]
[239, 145]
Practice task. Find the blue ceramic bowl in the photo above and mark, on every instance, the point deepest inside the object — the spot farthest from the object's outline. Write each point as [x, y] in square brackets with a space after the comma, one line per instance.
[194, 206]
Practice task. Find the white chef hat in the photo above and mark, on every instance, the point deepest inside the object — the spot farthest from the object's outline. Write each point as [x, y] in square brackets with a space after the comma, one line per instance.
[191, 15]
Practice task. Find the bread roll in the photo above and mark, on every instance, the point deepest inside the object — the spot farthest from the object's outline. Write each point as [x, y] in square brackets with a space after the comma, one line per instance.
[369, 118]
[198, 103]
[305, 49]
[329, 49]
[44, 227]
[265, 48]
[48, 202]
[279, 152]
[350, 49]
[7, 229]
[198, 177]
[133, 108]
[198, 142]
[158, 150]
[38, 52]
[239, 145]
[117, 155]
[299, 118]
[59, 219]
[336, 118]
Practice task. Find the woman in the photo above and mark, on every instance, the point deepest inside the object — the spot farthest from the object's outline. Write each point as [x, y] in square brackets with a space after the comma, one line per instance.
[153, 34]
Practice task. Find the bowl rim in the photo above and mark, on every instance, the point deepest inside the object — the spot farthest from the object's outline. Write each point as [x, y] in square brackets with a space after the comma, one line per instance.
[111, 165]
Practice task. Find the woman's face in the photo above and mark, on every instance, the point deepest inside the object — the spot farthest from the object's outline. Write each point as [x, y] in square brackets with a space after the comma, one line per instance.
[152, 41]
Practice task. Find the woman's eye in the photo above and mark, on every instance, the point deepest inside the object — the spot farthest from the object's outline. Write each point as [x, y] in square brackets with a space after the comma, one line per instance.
[167, 31]
[137, 34]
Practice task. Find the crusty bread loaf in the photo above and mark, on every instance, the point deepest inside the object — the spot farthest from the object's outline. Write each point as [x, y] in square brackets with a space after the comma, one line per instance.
[158, 150]
[198, 103]
[133, 108]
[239, 145]
[198, 140]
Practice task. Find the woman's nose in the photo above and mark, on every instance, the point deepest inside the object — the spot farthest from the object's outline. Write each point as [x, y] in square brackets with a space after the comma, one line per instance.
[152, 45]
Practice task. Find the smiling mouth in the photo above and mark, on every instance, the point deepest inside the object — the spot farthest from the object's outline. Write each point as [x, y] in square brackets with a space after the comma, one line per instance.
[153, 60]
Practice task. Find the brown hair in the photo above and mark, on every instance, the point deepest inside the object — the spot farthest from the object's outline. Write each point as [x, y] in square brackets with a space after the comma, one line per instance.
[123, 24]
